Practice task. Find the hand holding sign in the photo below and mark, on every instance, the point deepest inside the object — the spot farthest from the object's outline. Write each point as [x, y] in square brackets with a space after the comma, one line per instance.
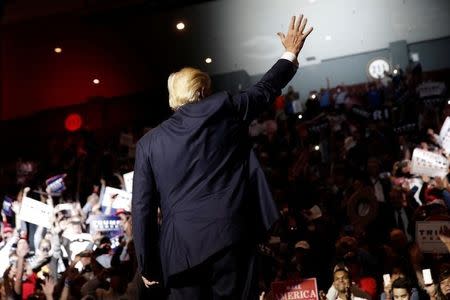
[387, 285]
[444, 236]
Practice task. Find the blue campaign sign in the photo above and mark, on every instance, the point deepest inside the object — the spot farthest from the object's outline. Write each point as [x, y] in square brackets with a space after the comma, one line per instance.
[109, 225]
[7, 206]
[56, 184]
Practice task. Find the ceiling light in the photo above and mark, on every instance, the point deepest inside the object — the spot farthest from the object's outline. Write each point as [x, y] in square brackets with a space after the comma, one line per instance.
[208, 60]
[180, 26]
[57, 50]
[96, 81]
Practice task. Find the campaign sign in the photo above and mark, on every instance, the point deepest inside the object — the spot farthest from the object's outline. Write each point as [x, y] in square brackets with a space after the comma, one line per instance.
[300, 289]
[128, 178]
[36, 212]
[7, 206]
[406, 128]
[65, 209]
[444, 135]
[426, 163]
[427, 236]
[56, 184]
[116, 198]
[110, 225]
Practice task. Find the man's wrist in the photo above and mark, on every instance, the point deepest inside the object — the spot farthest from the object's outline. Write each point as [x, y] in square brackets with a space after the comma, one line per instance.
[290, 56]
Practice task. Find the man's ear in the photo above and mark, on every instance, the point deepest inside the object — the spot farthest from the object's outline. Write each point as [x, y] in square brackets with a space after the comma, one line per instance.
[202, 93]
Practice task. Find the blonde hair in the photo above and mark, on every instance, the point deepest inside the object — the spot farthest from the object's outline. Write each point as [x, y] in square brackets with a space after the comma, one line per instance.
[186, 86]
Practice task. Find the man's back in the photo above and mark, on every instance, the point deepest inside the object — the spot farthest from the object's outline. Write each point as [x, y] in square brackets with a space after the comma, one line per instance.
[199, 153]
[199, 168]
[199, 158]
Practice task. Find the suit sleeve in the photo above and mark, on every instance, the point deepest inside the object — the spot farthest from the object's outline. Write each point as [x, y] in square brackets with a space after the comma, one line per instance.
[258, 97]
[144, 216]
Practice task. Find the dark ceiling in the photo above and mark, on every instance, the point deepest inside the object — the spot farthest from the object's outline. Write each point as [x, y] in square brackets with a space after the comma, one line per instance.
[18, 11]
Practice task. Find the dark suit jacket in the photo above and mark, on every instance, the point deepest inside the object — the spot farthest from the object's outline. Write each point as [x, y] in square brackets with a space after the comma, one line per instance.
[199, 168]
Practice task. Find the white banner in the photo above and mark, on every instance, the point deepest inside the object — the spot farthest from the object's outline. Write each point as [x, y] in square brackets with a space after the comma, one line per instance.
[36, 212]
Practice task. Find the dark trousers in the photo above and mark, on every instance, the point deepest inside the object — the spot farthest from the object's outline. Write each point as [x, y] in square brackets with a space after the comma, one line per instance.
[229, 274]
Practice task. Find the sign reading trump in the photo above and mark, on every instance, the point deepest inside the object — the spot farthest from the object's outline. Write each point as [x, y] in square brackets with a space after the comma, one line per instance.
[300, 289]
[427, 236]
[110, 224]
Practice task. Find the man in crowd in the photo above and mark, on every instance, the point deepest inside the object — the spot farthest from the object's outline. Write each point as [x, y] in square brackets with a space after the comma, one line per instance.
[342, 287]
[401, 289]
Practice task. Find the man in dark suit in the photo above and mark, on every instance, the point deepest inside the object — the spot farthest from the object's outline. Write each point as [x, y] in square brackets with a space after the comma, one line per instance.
[198, 167]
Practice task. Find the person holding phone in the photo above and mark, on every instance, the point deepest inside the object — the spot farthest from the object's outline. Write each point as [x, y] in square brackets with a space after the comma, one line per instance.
[388, 279]
[401, 289]
[440, 290]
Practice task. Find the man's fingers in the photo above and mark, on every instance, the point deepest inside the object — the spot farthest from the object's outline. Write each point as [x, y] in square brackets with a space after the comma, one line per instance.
[292, 23]
[307, 33]
[299, 22]
[150, 283]
[281, 35]
[303, 25]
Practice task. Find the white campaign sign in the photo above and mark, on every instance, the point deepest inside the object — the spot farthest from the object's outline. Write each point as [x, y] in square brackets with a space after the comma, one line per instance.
[117, 198]
[425, 163]
[128, 178]
[36, 212]
[444, 136]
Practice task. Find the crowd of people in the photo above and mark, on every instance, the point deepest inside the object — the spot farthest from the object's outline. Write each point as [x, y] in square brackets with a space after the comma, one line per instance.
[339, 168]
